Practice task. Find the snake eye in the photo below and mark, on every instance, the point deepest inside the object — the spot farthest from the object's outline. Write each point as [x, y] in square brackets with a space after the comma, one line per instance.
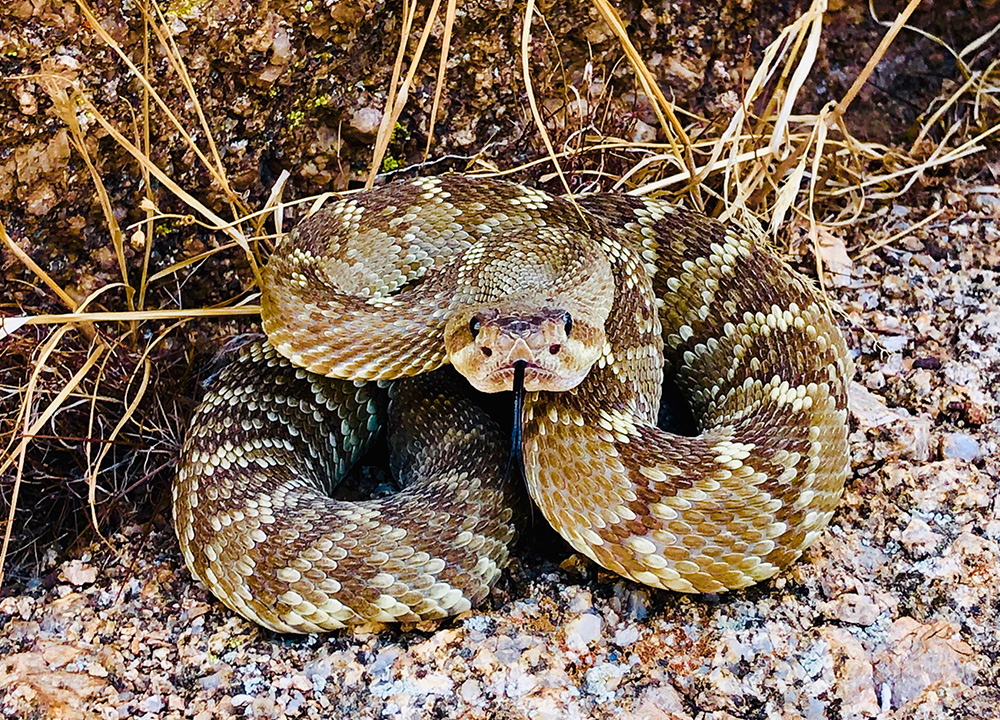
[474, 325]
[567, 322]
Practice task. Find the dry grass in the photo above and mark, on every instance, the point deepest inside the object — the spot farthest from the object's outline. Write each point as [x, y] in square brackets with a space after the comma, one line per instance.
[96, 368]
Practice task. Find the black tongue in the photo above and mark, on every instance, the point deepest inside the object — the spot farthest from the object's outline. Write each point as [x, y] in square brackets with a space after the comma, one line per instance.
[516, 438]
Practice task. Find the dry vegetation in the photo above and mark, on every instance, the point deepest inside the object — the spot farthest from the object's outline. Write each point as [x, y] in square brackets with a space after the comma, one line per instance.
[105, 365]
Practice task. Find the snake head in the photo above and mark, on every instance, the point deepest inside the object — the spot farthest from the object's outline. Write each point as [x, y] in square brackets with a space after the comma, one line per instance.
[556, 345]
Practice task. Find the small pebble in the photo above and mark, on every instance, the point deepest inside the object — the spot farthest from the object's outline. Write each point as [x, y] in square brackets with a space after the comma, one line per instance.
[960, 446]
[985, 203]
[582, 631]
[470, 691]
[366, 120]
[602, 680]
[918, 538]
[852, 608]
[626, 636]
[643, 132]
[154, 703]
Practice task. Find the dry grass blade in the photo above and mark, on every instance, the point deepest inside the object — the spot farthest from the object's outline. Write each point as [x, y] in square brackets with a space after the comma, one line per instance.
[384, 130]
[812, 31]
[969, 147]
[24, 411]
[188, 262]
[977, 81]
[113, 407]
[96, 466]
[173, 55]
[30, 430]
[55, 88]
[147, 144]
[217, 172]
[685, 176]
[947, 105]
[677, 138]
[876, 57]
[275, 206]
[215, 222]
[902, 233]
[741, 156]
[143, 315]
[814, 235]
[529, 12]
[449, 22]
[38, 271]
[397, 96]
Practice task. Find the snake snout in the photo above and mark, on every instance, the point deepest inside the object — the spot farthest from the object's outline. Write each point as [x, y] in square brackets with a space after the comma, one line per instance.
[488, 343]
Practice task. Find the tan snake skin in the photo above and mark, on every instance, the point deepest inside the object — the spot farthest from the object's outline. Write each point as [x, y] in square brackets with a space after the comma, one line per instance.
[403, 279]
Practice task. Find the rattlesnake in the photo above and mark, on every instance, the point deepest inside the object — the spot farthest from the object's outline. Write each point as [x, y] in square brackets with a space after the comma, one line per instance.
[591, 301]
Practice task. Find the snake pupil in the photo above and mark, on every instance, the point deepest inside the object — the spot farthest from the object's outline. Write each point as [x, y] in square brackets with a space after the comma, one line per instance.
[474, 326]
[567, 322]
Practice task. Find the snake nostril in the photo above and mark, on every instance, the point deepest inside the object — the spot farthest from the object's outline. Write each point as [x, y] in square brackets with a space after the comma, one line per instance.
[554, 348]
[486, 351]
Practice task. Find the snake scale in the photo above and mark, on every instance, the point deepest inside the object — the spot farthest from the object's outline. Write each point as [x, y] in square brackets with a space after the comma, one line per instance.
[592, 300]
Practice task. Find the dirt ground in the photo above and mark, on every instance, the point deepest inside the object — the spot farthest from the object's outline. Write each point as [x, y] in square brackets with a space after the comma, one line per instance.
[893, 613]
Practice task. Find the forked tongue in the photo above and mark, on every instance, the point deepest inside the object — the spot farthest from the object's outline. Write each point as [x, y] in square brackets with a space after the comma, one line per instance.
[515, 456]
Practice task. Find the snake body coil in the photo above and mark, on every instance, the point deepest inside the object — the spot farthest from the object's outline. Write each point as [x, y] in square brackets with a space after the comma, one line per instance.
[597, 299]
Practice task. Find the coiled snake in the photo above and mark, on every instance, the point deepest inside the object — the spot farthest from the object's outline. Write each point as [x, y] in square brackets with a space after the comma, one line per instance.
[590, 302]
